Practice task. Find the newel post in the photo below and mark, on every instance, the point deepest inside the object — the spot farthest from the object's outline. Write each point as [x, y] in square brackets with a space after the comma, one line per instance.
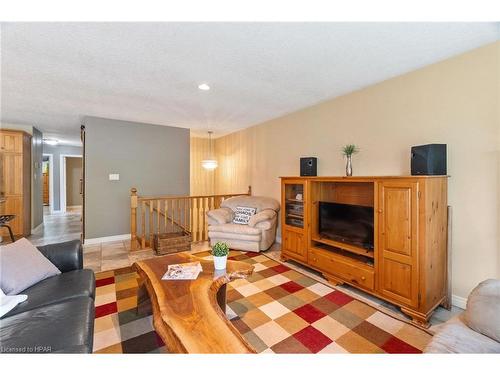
[133, 219]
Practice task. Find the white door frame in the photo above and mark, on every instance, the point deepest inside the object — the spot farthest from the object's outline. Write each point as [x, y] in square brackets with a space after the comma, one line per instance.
[62, 178]
[51, 182]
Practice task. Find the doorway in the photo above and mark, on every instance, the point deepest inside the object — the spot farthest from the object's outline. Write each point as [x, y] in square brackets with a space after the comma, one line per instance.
[48, 183]
[71, 183]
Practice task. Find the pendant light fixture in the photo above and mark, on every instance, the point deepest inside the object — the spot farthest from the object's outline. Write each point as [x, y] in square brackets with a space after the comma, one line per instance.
[209, 163]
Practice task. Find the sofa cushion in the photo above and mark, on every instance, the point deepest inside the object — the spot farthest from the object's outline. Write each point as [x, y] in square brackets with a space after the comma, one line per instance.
[63, 287]
[7, 303]
[455, 336]
[260, 203]
[23, 265]
[483, 309]
[66, 327]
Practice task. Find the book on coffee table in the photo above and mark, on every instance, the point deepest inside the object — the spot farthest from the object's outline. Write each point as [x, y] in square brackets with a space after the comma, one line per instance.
[183, 271]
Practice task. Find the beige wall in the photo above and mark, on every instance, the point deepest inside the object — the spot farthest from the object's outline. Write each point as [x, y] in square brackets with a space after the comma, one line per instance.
[73, 175]
[454, 102]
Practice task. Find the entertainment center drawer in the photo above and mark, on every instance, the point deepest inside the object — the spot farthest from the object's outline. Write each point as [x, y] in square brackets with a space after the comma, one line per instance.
[343, 268]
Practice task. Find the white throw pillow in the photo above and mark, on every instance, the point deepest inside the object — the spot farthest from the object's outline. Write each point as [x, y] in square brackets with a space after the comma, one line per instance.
[242, 214]
[7, 303]
[23, 265]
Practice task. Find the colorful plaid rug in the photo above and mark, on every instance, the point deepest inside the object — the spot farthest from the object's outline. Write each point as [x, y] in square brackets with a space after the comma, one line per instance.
[278, 310]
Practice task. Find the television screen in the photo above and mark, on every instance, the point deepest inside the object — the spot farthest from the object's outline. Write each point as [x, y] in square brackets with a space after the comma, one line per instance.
[346, 223]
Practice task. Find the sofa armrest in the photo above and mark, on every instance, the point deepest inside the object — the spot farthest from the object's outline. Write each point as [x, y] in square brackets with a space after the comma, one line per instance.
[220, 215]
[67, 256]
[264, 215]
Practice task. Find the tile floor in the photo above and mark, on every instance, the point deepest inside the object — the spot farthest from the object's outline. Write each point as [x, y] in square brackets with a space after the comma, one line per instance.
[58, 227]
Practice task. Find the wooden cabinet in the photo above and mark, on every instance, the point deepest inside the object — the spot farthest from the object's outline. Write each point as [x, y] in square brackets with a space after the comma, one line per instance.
[15, 185]
[11, 141]
[402, 257]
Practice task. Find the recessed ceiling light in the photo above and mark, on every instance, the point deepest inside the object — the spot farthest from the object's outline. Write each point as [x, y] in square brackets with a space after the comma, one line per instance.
[51, 142]
[204, 87]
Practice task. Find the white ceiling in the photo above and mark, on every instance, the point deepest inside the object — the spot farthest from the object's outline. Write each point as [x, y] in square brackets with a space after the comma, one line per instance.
[54, 74]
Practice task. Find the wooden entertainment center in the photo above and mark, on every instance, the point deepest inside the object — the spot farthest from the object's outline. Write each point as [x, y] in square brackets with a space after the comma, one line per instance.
[407, 261]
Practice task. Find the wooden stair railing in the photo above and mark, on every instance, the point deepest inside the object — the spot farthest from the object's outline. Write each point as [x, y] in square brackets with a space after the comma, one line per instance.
[162, 214]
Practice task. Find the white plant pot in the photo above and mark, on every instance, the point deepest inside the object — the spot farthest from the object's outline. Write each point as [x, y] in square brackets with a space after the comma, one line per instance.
[220, 262]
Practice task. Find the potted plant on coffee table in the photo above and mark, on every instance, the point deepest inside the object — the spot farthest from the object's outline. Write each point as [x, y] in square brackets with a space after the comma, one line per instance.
[220, 251]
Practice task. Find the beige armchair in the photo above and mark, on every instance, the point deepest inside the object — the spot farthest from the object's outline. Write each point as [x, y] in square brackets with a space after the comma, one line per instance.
[260, 232]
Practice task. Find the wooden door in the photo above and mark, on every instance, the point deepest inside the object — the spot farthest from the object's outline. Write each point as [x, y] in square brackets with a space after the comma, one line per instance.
[397, 265]
[294, 244]
[46, 188]
[82, 183]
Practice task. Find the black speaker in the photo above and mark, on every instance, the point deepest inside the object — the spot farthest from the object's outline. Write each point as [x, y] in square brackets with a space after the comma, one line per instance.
[308, 166]
[428, 159]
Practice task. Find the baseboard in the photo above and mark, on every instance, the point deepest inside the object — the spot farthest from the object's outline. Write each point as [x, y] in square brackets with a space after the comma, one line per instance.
[458, 301]
[37, 227]
[119, 237]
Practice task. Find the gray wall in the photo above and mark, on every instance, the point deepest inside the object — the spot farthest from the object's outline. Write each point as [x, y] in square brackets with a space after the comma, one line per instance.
[152, 158]
[36, 179]
[73, 175]
[57, 151]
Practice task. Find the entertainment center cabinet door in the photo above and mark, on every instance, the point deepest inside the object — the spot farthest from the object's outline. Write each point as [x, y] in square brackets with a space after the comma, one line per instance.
[294, 219]
[398, 241]
[294, 245]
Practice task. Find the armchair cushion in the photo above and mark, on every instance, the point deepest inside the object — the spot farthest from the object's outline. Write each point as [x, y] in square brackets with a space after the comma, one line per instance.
[260, 203]
[483, 309]
[262, 216]
[234, 228]
[221, 215]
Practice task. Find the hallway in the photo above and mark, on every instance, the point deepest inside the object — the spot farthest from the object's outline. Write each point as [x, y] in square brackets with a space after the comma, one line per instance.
[58, 227]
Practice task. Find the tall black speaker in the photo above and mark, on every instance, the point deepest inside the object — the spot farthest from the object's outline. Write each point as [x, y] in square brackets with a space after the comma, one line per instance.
[428, 159]
[308, 166]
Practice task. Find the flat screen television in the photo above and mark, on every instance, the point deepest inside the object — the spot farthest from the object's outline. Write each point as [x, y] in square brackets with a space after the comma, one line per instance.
[346, 223]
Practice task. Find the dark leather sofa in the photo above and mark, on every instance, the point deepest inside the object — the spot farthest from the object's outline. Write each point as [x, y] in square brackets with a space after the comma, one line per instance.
[58, 316]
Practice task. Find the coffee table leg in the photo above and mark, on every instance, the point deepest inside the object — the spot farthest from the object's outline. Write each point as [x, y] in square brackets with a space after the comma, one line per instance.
[143, 301]
[221, 298]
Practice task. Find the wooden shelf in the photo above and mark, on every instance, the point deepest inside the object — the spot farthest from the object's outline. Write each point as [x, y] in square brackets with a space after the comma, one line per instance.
[301, 217]
[294, 200]
[351, 248]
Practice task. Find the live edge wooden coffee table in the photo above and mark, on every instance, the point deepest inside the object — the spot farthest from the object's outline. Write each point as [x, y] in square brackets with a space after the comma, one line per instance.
[189, 315]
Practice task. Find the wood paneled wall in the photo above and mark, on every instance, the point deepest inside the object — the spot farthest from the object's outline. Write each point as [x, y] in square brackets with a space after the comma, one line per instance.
[234, 153]
[202, 182]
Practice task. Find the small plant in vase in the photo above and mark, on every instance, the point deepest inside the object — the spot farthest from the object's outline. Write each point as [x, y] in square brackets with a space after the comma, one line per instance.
[348, 151]
[220, 251]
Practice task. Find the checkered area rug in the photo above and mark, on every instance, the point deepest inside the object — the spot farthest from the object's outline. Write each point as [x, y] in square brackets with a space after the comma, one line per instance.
[277, 309]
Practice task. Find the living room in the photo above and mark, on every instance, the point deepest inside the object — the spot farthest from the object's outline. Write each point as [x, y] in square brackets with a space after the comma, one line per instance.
[253, 187]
